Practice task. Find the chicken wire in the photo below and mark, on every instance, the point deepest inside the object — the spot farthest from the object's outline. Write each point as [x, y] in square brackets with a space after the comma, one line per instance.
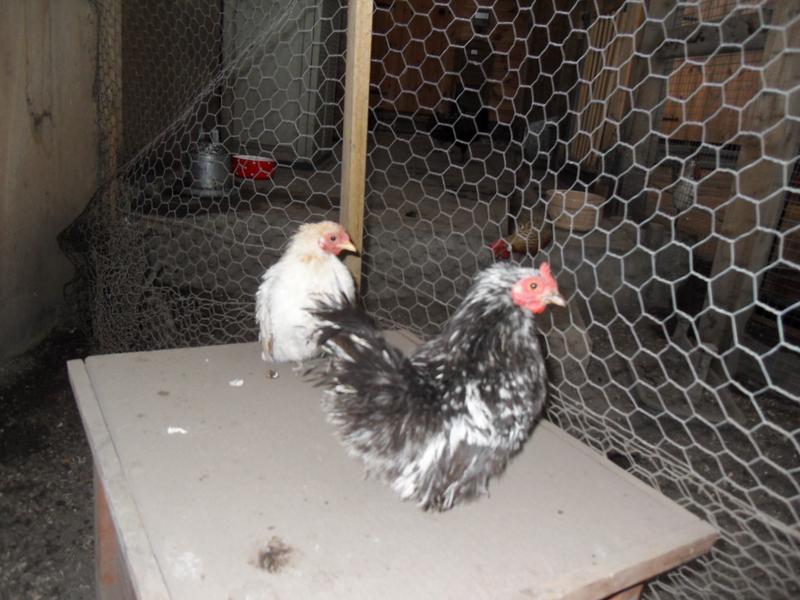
[676, 356]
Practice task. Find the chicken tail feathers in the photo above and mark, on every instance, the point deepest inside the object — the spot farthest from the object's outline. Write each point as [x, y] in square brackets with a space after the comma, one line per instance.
[346, 334]
[373, 398]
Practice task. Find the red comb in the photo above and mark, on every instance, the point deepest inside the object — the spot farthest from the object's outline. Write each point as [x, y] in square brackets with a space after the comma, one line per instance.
[546, 273]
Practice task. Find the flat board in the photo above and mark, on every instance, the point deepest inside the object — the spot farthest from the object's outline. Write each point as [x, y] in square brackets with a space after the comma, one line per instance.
[226, 483]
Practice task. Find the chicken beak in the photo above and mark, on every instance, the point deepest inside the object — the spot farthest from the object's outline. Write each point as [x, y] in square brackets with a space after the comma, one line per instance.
[349, 247]
[556, 299]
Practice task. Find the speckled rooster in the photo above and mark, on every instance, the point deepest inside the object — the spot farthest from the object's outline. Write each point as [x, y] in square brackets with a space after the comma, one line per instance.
[439, 424]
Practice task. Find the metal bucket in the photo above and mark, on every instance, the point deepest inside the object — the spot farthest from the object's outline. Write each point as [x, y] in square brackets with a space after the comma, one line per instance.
[210, 165]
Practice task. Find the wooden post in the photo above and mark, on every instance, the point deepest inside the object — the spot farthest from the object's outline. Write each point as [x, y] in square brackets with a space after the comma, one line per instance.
[648, 94]
[109, 92]
[761, 182]
[356, 106]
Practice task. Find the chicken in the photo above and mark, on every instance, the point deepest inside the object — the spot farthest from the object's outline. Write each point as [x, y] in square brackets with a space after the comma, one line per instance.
[309, 268]
[526, 239]
[437, 425]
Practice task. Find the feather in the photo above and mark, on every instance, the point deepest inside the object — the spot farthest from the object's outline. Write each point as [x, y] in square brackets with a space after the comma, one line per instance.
[307, 271]
[439, 424]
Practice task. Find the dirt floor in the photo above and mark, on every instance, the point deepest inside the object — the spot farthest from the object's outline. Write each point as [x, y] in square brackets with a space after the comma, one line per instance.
[46, 497]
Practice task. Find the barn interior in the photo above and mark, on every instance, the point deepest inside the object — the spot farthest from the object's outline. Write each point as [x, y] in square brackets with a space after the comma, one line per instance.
[647, 149]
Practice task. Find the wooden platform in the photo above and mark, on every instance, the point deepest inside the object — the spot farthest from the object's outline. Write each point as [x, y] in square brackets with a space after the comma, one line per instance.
[216, 481]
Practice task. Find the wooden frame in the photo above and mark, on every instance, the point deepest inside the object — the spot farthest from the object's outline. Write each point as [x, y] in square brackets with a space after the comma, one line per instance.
[760, 175]
[356, 109]
[109, 90]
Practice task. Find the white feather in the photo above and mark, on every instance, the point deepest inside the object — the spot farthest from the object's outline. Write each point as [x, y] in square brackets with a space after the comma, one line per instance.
[287, 292]
[480, 413]
[407, 483]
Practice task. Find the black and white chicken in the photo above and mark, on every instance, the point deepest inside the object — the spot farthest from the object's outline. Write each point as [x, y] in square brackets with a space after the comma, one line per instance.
[439, 424]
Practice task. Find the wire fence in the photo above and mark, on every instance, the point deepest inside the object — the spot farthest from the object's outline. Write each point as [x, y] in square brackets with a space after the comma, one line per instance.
[648, 150]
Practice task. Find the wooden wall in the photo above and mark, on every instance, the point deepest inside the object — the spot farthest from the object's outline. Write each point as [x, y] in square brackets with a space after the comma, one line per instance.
[415, 50]
[415, 61]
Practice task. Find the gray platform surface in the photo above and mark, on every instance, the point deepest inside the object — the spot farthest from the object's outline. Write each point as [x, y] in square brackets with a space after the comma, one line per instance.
[203, 476]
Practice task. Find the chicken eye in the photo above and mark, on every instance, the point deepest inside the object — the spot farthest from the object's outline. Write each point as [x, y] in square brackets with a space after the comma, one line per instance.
[534, 285]
[333, 238]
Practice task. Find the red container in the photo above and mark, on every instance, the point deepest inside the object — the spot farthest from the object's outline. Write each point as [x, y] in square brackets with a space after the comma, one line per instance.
[252, 167]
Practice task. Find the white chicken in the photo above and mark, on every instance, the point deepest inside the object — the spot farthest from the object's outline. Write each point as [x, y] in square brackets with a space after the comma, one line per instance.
[308, 271]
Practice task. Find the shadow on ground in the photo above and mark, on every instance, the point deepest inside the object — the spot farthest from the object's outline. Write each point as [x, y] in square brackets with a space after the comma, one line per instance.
[46, 518]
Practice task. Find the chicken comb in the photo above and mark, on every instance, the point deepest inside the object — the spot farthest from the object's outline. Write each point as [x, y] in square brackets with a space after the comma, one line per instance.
[544, 270]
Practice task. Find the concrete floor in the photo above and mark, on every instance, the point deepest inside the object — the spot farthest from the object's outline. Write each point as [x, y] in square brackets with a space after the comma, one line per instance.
[46, 501]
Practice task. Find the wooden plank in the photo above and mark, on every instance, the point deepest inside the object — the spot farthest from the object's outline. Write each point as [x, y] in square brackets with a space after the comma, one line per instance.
[192, 446]
[648, 94]
[605, 74]
[590, 114]
[130, 546]
[109, 93]
[633, 593]
[112, 579]
[760, 186]
[738, 30]
[356, 113]
[698, 87]
[510, 52]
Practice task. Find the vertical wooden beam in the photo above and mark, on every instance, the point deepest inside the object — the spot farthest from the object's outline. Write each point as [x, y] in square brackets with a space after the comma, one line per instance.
[760, 190]
[653, 73]
[109, 91]
[356, 107]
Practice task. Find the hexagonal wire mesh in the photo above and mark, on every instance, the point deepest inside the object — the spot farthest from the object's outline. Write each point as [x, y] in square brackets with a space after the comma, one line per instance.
[648, 150]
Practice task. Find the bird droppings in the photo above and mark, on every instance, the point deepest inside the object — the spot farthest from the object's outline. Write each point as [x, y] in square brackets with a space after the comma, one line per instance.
[236, 382]
[163, 393]
[271, 374]
[173, 430]
[187, 565]
[275, 556]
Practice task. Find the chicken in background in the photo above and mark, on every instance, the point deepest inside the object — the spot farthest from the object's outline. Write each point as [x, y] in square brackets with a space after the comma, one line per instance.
[309, 270]
[526, 239]
[439, 424]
